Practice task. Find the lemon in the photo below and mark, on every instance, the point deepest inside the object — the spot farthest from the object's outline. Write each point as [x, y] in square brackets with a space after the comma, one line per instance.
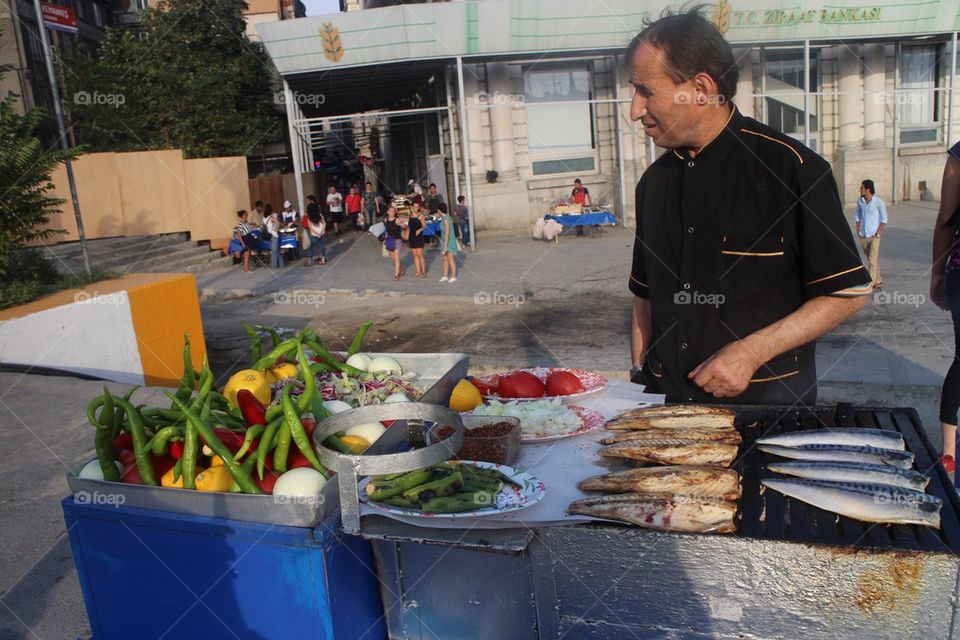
[356, 443]
[465, 396]
[249, 379]
[285, 371]
[216, 478]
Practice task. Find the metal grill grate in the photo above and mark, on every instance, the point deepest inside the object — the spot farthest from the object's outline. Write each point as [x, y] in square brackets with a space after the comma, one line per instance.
[772, 515]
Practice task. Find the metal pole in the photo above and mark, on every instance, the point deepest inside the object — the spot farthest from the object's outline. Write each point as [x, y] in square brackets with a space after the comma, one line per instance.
[467, 171]
[616, 114]
[806, 93]
[293, 113]
[455, 162]
[896, 122]
[953, 74]
[64, 143]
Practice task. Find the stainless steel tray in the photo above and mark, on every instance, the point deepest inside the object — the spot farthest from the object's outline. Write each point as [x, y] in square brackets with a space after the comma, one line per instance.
[437, 374]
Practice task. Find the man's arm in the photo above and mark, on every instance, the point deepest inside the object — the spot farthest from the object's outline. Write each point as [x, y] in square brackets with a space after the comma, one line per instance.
[727, 373]
[942, 232]
[641, 330]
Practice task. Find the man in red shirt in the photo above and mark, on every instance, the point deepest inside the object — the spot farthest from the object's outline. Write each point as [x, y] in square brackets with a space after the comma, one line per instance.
[581, 196]
[355, 208]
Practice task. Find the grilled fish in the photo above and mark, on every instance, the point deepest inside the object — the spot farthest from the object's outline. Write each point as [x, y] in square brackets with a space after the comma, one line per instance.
[706, 421]
[677, 410]
[863, 501]
[842, 453]
[665, 513]
[852, 437]
[730, 436]
[685, 480]
[673, 451]
[853, 472]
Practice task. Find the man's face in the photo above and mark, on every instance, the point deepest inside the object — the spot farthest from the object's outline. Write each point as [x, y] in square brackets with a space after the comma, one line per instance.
[433, 191]
[665, 109]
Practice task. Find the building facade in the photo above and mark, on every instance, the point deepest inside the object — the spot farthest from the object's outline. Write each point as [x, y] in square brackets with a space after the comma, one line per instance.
[539, 93]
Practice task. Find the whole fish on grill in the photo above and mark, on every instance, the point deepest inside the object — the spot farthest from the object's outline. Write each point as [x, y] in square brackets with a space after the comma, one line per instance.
[842, 453]
[863, 501]
[706, 421]
[714, 435]
[852, 437]
[853, 472]
[660, 411]
[665, 513]
[673, 451]
[684, 480]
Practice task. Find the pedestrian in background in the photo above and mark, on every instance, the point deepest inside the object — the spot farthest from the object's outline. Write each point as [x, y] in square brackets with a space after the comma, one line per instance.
[871, 219]
[335, 206]
[393, 241]
[416, 227]
[272, 225]
[371, 204]
[448, 245]
[463, 215]
[355, 209]
[316, 231]
[945, 293]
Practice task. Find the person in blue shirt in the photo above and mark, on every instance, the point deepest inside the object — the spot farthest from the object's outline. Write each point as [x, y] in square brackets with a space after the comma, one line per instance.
[871, 219]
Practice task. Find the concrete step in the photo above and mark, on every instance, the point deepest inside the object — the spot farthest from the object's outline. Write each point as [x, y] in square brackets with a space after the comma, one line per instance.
[156, 254]
[108, 245]
[180, 263]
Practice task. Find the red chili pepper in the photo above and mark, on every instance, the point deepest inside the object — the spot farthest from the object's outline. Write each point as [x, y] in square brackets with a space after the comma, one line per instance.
[233, 439]
[252, 409]
[123, 441]
[176, 449]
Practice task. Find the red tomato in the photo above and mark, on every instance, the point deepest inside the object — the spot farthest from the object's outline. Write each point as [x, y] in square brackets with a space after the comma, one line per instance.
[486, 388]
[308, 422]
[126, 458]
[563, 383]
[123, 441]
[520, 384]
[176, 449]
[297, 459]
[130, 475]
[269, 479]
[161, 465]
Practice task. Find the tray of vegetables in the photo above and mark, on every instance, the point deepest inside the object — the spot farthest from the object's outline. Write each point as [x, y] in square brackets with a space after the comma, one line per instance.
[245, 452]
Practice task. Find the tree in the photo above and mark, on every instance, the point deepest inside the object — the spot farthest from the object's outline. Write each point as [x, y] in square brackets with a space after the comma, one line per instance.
[25, 170]
[189, 78]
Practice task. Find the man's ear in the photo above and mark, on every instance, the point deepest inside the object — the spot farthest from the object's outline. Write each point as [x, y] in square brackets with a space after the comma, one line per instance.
[708, 92]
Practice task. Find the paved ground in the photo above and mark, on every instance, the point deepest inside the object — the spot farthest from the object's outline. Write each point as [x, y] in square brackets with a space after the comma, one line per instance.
[517, 301]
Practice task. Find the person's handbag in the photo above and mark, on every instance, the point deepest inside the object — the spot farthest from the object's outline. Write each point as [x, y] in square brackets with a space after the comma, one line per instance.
[265, 234]
[405, 234]
[250, 241]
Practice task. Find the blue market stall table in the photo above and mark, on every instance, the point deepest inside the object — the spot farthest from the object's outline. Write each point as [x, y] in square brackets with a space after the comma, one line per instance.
[583, 220]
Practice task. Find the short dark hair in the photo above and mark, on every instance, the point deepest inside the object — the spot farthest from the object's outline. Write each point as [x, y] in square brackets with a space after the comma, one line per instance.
[268, 209]
[433, 185]
[461, 198]
[868, 185]
[311, 198]
[691, 44]
[241, 213]
[258, 203]
[442, 207]
[368, 183]
[577, 181]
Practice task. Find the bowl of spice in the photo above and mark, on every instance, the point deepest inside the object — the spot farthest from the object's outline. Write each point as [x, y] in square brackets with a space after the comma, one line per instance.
[488, 438]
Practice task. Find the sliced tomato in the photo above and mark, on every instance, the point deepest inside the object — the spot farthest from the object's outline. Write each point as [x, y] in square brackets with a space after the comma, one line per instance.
[486, 387]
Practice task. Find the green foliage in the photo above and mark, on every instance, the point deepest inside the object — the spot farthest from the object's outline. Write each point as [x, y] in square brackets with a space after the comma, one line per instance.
[189, 78]
[31, 275]
[25, 170]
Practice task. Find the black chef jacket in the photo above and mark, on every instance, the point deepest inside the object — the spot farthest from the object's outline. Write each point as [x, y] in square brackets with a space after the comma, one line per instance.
[729, 242]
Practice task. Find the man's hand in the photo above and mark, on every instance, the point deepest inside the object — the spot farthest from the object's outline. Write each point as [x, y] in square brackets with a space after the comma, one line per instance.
[938, 290]
[727, 373]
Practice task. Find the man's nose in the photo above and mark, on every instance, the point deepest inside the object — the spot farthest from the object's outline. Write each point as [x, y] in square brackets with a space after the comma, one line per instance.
[638, 107]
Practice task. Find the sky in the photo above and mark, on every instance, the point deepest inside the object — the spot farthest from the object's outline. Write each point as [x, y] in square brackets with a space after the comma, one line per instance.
[321, 7]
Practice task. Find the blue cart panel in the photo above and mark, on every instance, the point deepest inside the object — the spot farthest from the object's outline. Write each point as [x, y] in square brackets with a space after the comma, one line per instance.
[152, 574]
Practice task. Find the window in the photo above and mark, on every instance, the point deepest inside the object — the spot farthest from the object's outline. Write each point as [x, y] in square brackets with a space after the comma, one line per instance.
[783, 88]
[560, 136]
[918, 97]
[142, 4]
[97, 15]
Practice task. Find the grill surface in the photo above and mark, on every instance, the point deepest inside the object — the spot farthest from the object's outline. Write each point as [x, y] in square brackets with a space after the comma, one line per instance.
[769, 514]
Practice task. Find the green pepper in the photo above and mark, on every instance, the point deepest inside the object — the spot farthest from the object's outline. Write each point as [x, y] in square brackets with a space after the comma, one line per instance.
[254, 342]
[241, 477]
[188, 381]
[144, 467]
[459, 502]
[158, 443]
[379, 489]
[102, 440]
[274, 334]
[282, 449]
[252, 434]
[398, 501]
[343, 367]
[435, 489]
[292, 419]
[177, 470]
[189, 458]
[266, 444]
[305, 401]
[358, 339]
[271, 358]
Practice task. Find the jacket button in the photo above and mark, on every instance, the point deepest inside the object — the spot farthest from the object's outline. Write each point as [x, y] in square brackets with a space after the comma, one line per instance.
[689, 229]
[683, 346]
[686, 285]
[690, 164]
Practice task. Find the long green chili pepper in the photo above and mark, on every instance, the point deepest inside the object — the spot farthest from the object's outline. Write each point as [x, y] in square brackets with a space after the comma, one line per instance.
[266, 444]
[206, 384]
[139, 441]
[292, 418]
[158, 443]
[320, 367]
[254, 342]
[241, 477]
[336, 443]
[247, 467]
[305, 401]
[220, 401]
[177, 470]
[282, 449]
[271, 358]
[102, 440]
[252, 434]
[118, 412]
[358, 339]
[343, 367]
[189, 457]
[189, 380]
[274, 334]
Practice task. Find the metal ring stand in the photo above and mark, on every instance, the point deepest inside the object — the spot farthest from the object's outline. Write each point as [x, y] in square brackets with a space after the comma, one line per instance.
[350, 467]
